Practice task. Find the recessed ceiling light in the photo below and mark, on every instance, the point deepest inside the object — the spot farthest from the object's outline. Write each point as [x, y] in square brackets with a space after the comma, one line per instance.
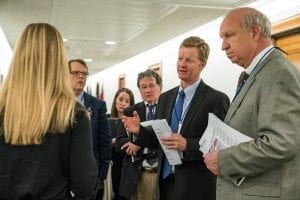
[65, 39]
[88, 60]
[110, 42]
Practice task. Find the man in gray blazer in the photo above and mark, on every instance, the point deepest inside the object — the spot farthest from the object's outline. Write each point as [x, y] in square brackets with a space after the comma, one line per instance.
[266, 108]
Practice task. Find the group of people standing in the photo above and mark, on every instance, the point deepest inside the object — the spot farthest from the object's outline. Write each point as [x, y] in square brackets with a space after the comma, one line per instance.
[46, 152]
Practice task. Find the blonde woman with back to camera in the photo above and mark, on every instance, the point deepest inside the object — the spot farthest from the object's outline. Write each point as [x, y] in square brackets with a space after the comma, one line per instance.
[45, 150]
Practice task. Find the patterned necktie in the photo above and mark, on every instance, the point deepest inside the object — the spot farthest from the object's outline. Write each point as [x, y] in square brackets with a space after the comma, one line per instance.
[151, 113]
[150, 116]
[242, 79]
[176, 117]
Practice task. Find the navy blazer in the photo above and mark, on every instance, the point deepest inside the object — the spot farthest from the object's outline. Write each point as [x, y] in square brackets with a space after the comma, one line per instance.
[101, 135]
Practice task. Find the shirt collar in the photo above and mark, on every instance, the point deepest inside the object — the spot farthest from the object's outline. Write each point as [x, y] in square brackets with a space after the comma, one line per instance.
[80, 98]
[190, 90]
[258, 58]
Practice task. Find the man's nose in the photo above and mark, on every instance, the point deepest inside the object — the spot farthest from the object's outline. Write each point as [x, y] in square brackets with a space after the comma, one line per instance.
[225, 45]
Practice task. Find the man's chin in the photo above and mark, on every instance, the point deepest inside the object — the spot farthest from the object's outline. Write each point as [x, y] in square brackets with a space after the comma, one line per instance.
[234, 61]
[79, 88]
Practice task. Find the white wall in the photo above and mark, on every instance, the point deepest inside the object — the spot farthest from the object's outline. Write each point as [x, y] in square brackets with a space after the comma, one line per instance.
[5, 53]
[219, 72]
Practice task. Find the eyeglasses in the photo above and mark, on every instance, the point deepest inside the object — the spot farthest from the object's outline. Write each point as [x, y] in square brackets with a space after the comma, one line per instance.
[144, 87]
[77, 73]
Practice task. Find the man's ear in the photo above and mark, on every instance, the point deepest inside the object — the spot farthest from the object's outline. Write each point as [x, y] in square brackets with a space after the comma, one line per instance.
[256, 32]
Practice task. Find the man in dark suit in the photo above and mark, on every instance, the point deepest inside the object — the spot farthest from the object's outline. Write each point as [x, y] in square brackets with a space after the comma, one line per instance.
[97, 111]
[190, 180]
[266, 108]
[139, 173]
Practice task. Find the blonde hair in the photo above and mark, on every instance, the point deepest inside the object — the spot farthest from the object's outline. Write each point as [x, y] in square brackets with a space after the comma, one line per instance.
[36, 98]
[201, 46]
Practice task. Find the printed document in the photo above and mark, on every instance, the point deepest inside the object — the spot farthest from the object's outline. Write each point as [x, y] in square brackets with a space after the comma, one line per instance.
[162, 128]
[219, 135]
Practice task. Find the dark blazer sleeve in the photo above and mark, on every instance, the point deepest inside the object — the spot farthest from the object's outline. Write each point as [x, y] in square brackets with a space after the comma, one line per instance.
[105, 141]
[121, 139]
[122, 136]
[100, 133]
[146, 137]
[82, 164]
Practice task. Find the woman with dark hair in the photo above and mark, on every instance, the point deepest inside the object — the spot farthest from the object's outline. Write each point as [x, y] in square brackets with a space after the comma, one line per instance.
[122, 99]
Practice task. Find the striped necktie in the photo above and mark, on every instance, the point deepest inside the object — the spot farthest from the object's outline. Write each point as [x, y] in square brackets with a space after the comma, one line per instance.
[242, 79]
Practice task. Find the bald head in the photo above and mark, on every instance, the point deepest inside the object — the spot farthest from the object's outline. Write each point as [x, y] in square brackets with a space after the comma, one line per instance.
[245, 33]
[249, 17]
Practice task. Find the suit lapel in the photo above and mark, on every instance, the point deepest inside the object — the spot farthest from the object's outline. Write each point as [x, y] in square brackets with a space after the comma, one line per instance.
[87, 100]
[167, 107]
[238, 100]
[194, 106]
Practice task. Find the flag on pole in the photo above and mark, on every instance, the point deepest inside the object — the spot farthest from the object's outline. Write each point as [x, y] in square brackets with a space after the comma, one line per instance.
[88, 89]
[97, 90]
[101, 93]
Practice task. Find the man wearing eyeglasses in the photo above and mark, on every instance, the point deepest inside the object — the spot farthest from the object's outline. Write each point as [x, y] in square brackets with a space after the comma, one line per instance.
[97, 110]
[139, 172]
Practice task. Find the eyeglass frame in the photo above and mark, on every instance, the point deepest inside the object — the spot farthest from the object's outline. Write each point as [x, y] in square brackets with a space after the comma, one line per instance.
[76, 73]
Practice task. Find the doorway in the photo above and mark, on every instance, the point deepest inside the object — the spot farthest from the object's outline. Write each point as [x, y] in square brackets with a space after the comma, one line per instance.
[286, 35]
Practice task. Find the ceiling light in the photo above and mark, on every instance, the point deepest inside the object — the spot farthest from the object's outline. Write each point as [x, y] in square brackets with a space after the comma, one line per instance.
[110, 42]
[88, 60]
[65, 39]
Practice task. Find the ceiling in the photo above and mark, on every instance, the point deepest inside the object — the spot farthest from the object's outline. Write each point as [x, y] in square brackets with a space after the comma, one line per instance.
[135, 25]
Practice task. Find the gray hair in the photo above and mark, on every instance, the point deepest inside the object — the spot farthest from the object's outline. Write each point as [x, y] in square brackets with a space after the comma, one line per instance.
[149, 73]
[253, 17]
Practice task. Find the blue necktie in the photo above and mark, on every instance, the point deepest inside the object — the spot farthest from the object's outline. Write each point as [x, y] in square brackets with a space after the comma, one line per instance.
[176, 117]
[151, 113]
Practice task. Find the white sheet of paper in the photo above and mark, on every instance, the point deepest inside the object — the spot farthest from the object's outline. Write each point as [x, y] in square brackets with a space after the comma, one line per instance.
[219, 135]
[162, 128]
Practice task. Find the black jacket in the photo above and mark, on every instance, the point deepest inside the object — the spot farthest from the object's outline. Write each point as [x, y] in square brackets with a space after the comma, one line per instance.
[101, 135]
[62, 163]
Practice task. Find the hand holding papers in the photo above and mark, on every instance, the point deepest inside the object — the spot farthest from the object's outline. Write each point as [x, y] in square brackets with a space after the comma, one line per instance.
[219, 135]
[161, 128]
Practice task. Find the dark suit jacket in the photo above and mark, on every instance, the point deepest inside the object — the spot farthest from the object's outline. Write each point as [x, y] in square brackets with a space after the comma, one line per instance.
[192, 179]
[54, 168]
[131, 170]
[100, 133]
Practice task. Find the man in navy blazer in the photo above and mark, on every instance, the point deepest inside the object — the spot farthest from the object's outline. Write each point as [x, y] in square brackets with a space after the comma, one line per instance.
[96, 108]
